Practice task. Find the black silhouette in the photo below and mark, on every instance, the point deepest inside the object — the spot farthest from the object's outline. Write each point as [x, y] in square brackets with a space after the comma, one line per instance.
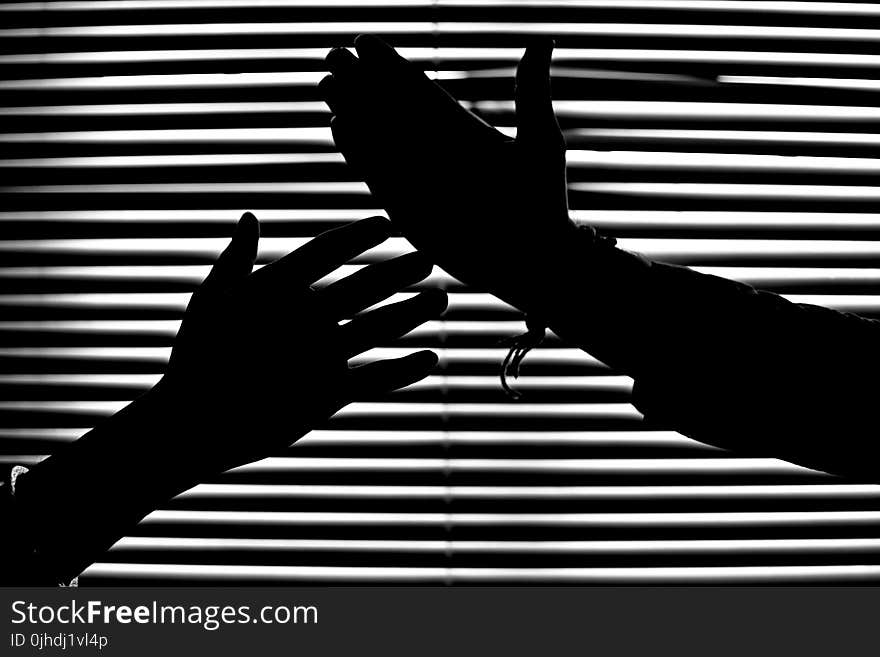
[260, 360]
[717, 360]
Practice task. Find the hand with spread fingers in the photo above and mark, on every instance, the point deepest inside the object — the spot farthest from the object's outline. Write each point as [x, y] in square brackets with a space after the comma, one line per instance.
[489, 209]
[261, 356]
[261, 359]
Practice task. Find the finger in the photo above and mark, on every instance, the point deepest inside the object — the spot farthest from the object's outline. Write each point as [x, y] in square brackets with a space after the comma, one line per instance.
[535, 120]
[348, 144]
[329, 90]
[372, 284]
[395, 83]
[237, 259]
[391, 374]
[405, 110]
[371, 49]
[381, 326]
[342, 64]
[325, 253]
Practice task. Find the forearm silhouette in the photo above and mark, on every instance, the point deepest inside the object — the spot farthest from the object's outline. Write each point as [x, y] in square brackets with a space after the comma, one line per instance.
[260, 360]
[717, 360]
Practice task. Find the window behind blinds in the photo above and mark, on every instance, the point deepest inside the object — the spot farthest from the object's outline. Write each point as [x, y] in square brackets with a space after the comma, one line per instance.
[736, 137]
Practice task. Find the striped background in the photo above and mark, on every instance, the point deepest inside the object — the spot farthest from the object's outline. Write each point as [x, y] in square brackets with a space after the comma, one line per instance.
[736, 137]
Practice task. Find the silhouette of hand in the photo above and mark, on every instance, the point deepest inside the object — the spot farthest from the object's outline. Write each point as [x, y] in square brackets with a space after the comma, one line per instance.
[489, 209]
[260, 358]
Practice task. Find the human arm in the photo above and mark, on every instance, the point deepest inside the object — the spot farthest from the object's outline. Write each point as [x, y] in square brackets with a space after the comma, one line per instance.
[260, 359]
[717, 360]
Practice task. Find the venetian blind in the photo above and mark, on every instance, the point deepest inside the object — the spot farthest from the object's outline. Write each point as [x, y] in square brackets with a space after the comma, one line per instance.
[735, 137]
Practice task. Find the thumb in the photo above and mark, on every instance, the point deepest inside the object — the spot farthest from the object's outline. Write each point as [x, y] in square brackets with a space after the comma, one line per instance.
[535, 121]
[237, 259]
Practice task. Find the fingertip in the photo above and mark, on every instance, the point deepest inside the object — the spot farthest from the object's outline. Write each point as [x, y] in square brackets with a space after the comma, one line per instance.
[538, 53]
[247, 224]
[364, 40]
[326, 84]
[543, 45]
[329, 91]
[436, 299]
[426, 359]
[376, 222]
[340, 60]
[377, 228]
[433, 302]
[370, 46]
[419, 263]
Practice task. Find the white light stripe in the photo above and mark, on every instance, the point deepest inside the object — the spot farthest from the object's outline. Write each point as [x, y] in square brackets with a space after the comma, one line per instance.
[736, 190]
[646, 109]
[842, 138]
[188, 81]
[136, 161]
[775, 574]
[447, 27]
[392, 410]
[710, 220]
[717, 161]
[269, 246]
[649, 109]
[335, 518]
[443, 57]
[354, 437]
[728, 247]
[318, 135]
[736, 574]
[458, 302]
[830, 83]
[554, 383]
[699, 190]
[620, 218]
[822, 8]
[554, 355]
[169, 328]
[576, 158]
[233, 29]
[553, 493]
[695, 546]
[844, 8]
[321, 136]
[659, 30]
[275, 573]
[720, 574]
[503, 438]
[117, 5]
[165, 108]
[329, 188]
[172, 216]
[178, 300]
[140, 380]
[748, 466]
[278, 246]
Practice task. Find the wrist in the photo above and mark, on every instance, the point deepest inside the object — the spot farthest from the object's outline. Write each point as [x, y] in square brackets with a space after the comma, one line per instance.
[552, 265]
[82, 499]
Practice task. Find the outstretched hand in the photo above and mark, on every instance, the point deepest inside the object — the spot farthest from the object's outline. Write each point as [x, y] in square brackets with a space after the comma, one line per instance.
[261, 357]
[489, 209]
